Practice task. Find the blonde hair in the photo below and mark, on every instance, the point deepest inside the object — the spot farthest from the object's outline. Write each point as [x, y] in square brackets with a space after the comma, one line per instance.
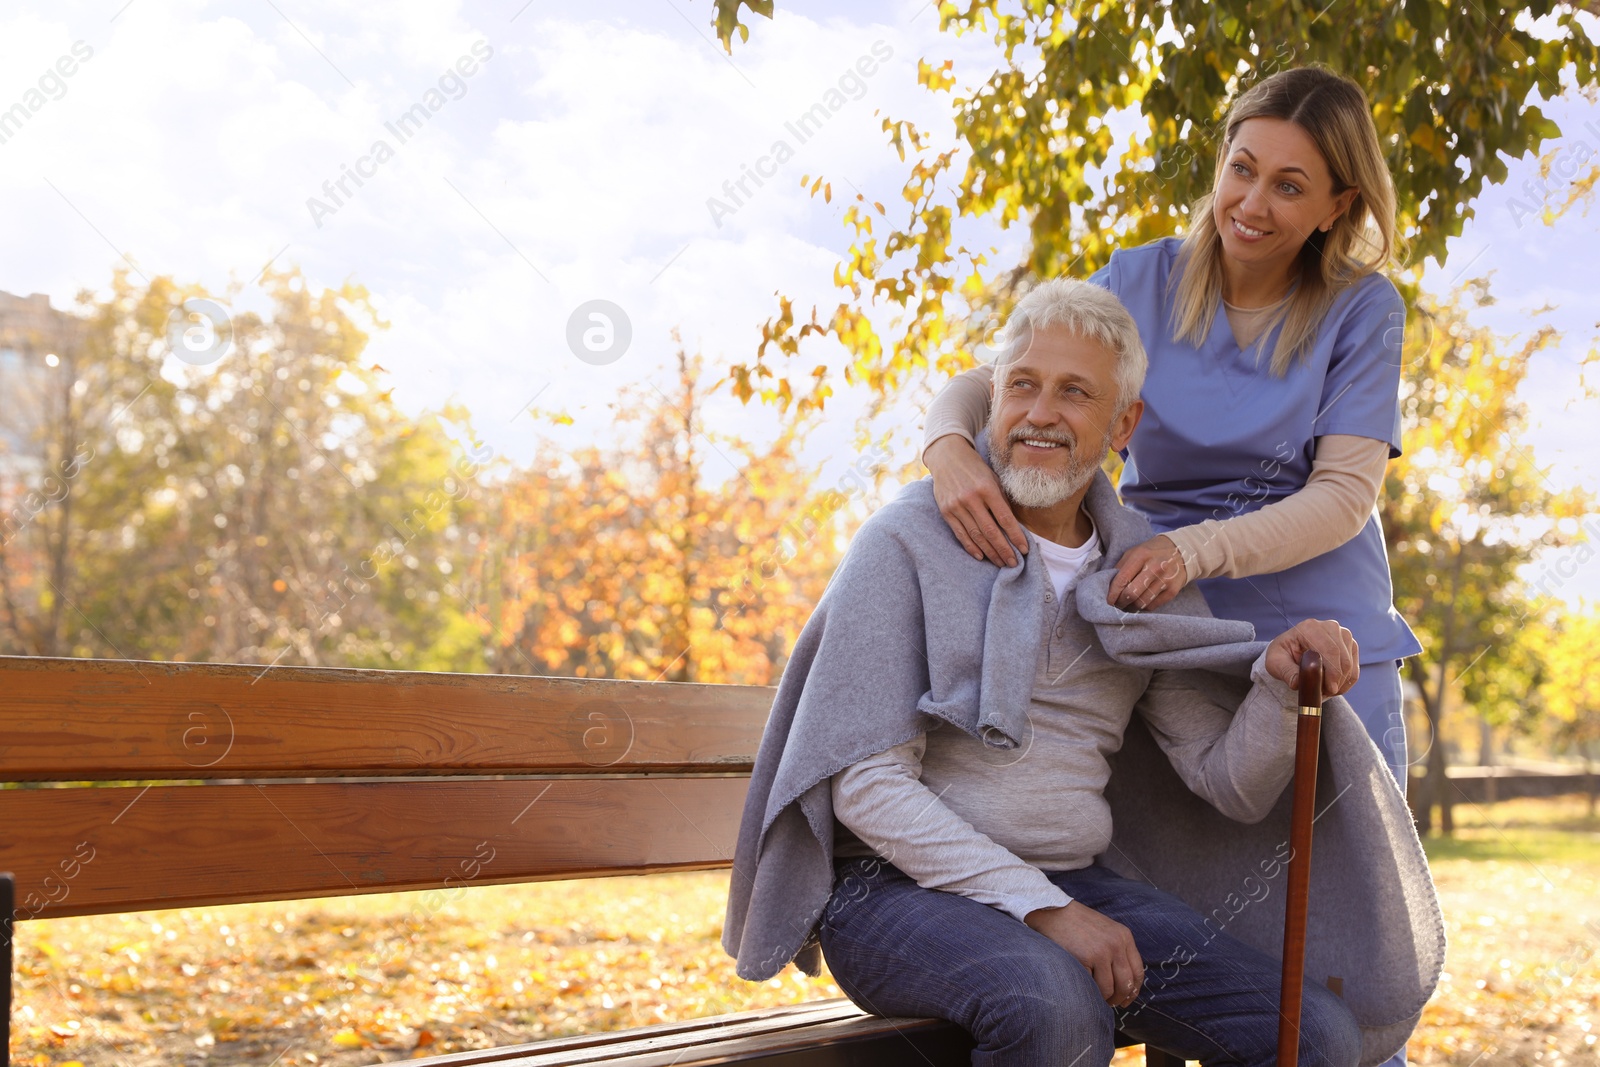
[1362, 240]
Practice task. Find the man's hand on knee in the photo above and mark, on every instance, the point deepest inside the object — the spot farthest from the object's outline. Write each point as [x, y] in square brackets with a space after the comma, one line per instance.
[1102, 945]
[1340, 656]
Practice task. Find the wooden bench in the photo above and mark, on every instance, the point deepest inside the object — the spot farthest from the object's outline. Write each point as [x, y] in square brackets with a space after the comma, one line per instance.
[290, 782]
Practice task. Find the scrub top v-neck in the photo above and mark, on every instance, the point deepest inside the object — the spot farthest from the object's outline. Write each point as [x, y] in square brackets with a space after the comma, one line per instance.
[1221, 436]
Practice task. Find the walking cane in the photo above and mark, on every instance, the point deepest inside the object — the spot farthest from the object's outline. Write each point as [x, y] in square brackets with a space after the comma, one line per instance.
[8, 916]
[1308, 737]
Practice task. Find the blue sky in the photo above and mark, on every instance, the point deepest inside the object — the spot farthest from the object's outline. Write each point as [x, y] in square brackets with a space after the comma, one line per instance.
[573, 163]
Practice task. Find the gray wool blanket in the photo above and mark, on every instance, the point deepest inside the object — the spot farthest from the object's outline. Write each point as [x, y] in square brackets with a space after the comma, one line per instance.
[913, 631]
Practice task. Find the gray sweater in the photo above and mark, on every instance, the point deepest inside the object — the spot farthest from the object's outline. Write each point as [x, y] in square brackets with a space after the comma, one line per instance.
[960, 817]
[913, 632]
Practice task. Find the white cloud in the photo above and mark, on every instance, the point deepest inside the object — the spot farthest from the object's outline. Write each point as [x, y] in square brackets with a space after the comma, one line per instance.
[584, 150]
[590, 142]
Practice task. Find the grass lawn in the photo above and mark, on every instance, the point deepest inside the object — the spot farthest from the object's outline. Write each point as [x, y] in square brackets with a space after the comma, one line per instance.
[362, 980]
[1520, 884]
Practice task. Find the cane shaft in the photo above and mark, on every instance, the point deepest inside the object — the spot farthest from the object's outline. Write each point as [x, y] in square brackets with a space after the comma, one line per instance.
[8, 924]
[1307, 741]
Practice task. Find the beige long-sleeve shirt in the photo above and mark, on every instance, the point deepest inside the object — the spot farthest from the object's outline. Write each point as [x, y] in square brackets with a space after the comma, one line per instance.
[1346, 477]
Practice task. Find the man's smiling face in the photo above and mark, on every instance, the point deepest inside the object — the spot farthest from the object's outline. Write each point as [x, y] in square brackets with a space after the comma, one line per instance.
[1056, 414]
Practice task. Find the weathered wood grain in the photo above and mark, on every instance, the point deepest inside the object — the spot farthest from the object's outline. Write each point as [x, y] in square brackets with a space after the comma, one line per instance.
[82, 720]
[825, 1033]
[89, 851]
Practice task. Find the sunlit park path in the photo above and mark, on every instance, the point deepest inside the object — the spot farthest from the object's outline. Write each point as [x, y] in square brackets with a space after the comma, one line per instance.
[373, 979]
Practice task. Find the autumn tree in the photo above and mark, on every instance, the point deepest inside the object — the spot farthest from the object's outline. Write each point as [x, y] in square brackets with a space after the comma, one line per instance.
[1454, 90]
[77, 391]
[80, 400]
[679, 554]
[1462, 510]
[1568, 708]
[311, 519]
[268, 505]
[271, 505]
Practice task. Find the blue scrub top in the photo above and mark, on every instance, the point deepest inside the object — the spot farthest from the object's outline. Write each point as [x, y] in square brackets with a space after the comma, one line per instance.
[1221, 436]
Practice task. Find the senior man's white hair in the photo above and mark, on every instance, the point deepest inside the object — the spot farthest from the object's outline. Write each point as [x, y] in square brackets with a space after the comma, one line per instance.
[1088, 310]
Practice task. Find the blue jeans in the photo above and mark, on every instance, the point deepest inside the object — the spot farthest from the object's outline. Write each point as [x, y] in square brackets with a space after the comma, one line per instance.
[897, 949]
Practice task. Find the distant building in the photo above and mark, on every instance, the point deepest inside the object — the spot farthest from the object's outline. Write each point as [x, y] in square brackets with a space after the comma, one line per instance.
[32, 337]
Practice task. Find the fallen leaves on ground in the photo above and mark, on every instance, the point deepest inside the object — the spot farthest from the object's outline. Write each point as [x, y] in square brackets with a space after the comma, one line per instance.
[373, 979]
[1521, 984]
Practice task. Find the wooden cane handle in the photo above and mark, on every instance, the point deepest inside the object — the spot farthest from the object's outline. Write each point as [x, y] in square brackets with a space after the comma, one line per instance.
[1310, 681]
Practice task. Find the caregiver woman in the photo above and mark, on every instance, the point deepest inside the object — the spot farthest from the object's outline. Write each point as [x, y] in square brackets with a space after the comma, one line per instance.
[1271, 406]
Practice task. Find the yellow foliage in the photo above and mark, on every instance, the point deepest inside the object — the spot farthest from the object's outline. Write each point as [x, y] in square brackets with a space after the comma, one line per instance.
[1570, 693]
[680, 554]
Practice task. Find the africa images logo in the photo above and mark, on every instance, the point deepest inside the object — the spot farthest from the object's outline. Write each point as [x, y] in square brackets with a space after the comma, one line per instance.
[803, 128]
[452, 86]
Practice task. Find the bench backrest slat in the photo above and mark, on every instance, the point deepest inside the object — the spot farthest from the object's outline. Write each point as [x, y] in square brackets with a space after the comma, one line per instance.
[415, 780]
[70, 720]
[94, 850]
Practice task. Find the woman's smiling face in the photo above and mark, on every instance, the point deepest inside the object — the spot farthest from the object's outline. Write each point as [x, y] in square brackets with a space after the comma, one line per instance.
[1274, 191]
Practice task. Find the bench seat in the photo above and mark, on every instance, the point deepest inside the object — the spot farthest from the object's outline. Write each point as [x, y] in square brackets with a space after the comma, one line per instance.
[822, 1033]
[254, 784]
[825, 1033]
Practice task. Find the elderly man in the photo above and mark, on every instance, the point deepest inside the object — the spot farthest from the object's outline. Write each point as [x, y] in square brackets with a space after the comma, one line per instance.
[945, 731]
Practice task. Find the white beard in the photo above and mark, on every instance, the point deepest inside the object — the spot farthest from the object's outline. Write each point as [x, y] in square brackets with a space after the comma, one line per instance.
[1033, 487]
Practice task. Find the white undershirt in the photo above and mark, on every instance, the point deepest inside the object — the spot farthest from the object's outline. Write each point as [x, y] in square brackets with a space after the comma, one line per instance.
[1063, 563]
